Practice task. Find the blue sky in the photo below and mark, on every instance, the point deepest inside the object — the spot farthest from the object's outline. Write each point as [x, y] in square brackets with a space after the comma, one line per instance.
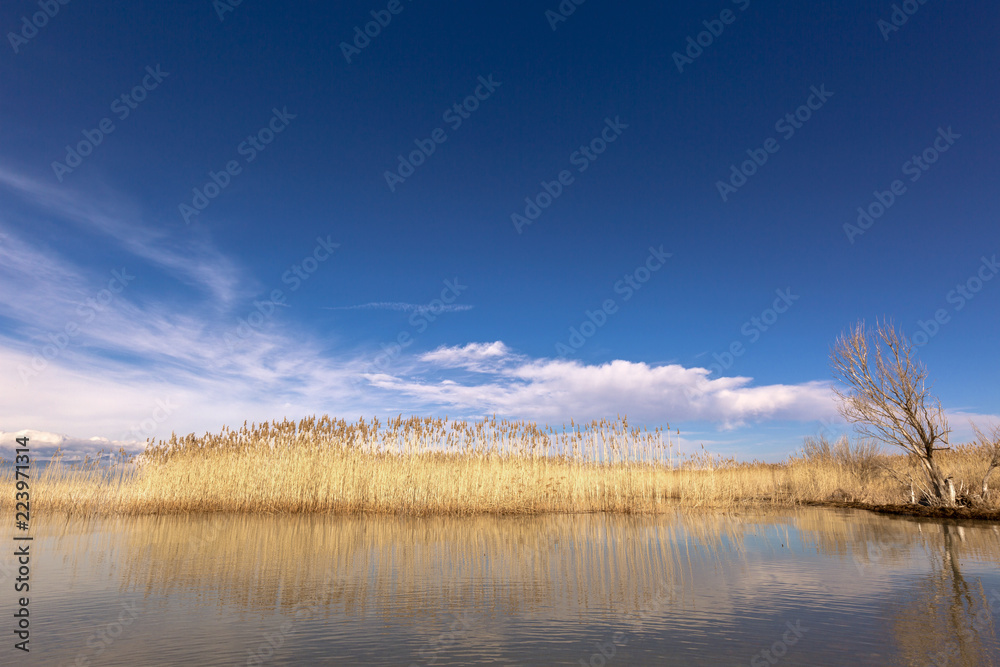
[274, 214]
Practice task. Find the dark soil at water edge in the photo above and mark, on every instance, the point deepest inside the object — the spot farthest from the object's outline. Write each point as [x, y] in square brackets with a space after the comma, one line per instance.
[969, 513]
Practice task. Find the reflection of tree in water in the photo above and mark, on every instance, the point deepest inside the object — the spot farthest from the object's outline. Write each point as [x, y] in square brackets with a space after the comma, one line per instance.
[943, 618]
[938, 617]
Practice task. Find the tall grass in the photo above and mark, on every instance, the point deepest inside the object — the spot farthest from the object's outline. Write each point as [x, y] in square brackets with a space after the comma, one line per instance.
[863, 471]
[437, 466]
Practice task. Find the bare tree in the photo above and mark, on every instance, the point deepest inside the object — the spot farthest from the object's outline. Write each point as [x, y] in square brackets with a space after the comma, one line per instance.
[888, 397]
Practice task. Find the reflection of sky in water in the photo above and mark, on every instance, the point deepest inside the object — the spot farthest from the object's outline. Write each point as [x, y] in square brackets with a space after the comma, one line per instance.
[687, 589]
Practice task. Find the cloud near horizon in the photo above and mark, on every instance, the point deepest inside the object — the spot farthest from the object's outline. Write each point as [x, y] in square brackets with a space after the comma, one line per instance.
[45, 445]
[498, 380]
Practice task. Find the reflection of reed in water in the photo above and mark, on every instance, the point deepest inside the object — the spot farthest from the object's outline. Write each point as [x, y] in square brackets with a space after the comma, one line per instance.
[871, 540]
[427, 566]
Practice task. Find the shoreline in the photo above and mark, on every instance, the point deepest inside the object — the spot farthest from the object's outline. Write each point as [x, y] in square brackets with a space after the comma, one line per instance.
[919, 511]
[900, 510]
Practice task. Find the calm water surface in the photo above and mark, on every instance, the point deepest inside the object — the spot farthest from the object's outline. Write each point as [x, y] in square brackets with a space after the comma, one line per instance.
[809, 587]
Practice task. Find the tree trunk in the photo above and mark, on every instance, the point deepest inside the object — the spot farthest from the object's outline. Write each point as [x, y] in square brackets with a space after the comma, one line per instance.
[938, 484]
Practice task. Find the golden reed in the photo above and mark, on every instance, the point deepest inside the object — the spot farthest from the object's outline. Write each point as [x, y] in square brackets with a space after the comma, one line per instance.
[436, 466]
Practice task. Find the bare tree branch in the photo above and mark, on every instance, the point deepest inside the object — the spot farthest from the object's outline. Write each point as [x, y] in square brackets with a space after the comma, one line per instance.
[887, 396]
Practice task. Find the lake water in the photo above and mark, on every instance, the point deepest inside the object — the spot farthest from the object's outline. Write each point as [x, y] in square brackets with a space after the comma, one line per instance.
[804, 587]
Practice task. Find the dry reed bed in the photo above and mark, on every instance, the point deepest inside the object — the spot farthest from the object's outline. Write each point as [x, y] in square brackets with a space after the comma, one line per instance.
[436, 466]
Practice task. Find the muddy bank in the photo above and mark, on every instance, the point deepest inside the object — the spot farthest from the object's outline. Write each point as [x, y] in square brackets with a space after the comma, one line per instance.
[964, 513]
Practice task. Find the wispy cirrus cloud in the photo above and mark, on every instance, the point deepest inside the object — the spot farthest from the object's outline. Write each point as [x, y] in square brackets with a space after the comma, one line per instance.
[405, 307]
[82, 354]
[190, 259]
